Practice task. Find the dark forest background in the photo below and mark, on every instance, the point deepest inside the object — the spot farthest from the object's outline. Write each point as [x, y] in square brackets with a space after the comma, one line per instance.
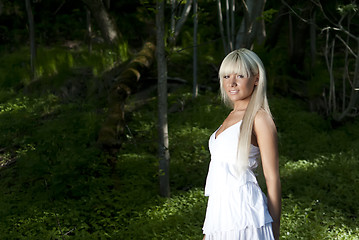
[90, 90]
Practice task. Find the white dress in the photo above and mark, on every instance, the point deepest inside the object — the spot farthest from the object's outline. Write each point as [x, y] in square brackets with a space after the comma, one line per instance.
[237, 207]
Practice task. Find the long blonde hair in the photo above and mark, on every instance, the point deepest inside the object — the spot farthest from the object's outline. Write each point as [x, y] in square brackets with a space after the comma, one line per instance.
[248, 64]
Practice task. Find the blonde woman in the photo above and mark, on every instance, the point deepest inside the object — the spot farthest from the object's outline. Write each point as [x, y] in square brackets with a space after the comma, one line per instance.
[237, 208]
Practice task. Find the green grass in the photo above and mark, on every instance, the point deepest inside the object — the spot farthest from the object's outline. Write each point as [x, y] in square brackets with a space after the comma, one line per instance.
[60, 185]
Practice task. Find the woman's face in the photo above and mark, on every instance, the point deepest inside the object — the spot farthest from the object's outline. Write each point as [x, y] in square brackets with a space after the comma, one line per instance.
[238, 87]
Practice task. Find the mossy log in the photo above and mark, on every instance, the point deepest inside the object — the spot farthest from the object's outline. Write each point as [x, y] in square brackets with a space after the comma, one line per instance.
[124, 83]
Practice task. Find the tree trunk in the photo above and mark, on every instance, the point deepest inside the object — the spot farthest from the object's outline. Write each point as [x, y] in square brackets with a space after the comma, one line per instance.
[233, 23]
[230, 43]
[195, 25]
[354, 95]
[89, 30]
[1, 7]
[106, 25]
[107, 3]
[275, 30]
[126, 81]
[221, 29]
[163, 145]
[178, 26]
[250, 24]
[313, 40]
[32, 39]
[173, 22]
[300, 36]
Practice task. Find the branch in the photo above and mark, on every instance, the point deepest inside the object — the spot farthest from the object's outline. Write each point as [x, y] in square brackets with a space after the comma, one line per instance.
[338, 27]
[304, 20]
[346, 45]
[183, 18]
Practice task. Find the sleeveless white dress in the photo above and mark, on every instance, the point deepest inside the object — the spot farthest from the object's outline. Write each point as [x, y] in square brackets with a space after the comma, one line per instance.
[237, 207]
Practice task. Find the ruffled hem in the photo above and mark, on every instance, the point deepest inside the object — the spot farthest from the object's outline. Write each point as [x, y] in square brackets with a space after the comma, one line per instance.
[249, 233]
[239, 209]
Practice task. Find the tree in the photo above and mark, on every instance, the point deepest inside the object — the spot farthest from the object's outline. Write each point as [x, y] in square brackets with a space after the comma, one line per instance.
[347, 50]
[181, 15]
[103, 19]
[251, 26]
[195, 26]
[32, 38]
[349, 42]
[163, 144]
[89, 30]
[1, 7]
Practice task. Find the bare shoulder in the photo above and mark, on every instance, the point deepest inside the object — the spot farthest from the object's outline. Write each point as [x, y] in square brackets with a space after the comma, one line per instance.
[263, 122]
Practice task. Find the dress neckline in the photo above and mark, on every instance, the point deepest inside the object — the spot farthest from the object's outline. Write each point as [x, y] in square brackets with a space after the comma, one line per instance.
[215, 133]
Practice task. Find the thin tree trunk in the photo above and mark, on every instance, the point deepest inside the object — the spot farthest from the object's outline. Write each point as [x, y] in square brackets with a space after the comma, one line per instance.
[107, 3]
[1, 7]
[332, 79]
[195, 25]
[354, 96]
[183, 18]
[346, 66]
[313, 40]
[107, 27]
[228, 29]
[275, 31]
[291, 38]
[32, 39]
[173, 22]
[233, 25]
[221, 29]
[329, 59]
[89, 30]
[163, 145]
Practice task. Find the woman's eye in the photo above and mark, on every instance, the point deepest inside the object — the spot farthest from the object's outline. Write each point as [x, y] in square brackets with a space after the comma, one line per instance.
[240, 76]
[226, 77]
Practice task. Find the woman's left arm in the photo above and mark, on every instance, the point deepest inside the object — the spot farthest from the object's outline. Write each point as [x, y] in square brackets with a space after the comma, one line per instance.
[266, 133]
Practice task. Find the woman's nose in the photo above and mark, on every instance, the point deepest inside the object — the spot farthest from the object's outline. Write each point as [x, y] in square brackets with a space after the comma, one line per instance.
[232, 81]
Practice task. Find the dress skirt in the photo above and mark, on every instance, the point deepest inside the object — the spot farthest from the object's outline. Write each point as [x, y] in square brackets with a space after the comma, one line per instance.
[238, 215]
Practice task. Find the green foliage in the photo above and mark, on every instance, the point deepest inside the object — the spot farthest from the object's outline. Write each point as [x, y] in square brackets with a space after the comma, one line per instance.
[319, 194]
[345, 9]
[19, 65]
[55, 65]
[267, 15]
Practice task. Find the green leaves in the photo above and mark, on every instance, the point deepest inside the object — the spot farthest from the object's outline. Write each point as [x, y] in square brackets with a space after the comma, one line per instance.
[345, 9]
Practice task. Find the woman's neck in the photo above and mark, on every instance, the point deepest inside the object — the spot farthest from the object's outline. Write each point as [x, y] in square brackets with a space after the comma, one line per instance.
[241, 105]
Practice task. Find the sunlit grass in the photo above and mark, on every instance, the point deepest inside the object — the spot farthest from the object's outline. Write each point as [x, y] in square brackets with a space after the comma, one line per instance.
[51, 61]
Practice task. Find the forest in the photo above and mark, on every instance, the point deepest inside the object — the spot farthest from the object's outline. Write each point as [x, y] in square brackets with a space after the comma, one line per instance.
[106, 108]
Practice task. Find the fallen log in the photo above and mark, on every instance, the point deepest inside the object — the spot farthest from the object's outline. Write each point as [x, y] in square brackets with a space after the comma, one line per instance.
[111, 133]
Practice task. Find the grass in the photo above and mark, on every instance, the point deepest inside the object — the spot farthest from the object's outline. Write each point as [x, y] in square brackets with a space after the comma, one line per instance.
[61, 187]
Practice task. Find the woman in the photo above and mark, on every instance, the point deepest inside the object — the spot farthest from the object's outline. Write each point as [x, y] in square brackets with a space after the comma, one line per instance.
[237, 208]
